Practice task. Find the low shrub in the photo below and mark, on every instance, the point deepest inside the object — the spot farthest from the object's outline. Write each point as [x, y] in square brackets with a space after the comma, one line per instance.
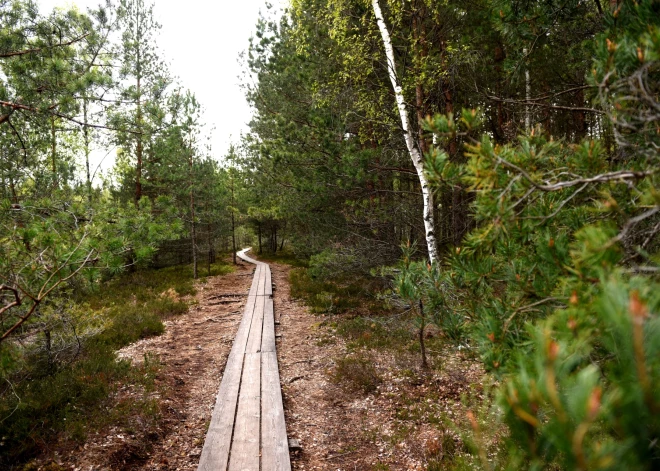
[356, 373]
[44, 393]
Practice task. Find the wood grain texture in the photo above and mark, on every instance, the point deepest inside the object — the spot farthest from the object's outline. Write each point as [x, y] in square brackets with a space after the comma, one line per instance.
[268, 336]
[247, 430]
[268, 290]
[255, 282]
[256, 329]
[274, 443]
[215, 454]
[245, 444]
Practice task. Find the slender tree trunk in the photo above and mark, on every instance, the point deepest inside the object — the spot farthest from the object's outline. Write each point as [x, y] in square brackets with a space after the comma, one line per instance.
[580, 118]
[138, 116]
[12, 187]
[193, 228]
[233, 224]
[87, 151]
[211, 254]
[138, 150]
[259, 232]
[414, 152]
[528, 95]
[275, 239]
[53, 151]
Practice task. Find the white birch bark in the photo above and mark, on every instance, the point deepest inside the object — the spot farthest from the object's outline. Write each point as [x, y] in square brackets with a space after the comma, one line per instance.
[413, 150]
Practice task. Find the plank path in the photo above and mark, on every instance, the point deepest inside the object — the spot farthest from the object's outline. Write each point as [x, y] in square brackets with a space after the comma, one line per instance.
[247, 430]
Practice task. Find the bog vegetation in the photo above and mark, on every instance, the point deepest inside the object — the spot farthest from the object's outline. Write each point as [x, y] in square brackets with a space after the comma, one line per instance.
[487, 167]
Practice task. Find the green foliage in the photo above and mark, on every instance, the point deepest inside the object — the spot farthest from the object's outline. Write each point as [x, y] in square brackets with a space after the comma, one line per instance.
[376, 333]
[558, 276]
[68, 394]
[325, 296]
[356, 372]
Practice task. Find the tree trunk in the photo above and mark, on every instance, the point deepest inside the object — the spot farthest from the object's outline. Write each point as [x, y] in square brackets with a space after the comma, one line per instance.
[211, 254]
[415, 154]
[233, 222]
[193, 228]
[528, 95]
[53, 151]
[138, 150]
[259, 232]
[580, 118]
[275, 239]
[87, 151]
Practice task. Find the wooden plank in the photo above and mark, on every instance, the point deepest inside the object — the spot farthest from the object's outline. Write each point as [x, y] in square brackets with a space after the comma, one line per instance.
[262, 279]
[256, 328]
[274, 443]
[269, 282]
[215, 453]
[268, 336]
[255, 282]
[242, 335]
[245, 445]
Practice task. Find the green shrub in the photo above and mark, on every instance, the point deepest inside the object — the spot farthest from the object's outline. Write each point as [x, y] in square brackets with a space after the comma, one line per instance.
[374, 333]
[357, 373]
[68, 395]
[326, 295]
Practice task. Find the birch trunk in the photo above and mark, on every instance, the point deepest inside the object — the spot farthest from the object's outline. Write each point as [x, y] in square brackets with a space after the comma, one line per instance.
[413, 150]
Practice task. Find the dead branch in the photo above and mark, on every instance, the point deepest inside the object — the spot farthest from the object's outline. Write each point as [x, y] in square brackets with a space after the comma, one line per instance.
[620, 175]
[16, 302]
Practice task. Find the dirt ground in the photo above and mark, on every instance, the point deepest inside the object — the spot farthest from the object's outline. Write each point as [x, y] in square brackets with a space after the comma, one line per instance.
[338, 429]
[343, 430]
[191, 355]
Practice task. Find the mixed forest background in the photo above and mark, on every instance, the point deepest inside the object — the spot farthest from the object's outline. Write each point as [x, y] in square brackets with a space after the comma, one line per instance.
[490, 167]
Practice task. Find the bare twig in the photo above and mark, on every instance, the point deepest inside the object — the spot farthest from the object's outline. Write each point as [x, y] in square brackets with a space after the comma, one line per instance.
[525, 308]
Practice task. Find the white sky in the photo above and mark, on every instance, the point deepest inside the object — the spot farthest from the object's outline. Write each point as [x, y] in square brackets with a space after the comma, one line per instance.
[201, 40]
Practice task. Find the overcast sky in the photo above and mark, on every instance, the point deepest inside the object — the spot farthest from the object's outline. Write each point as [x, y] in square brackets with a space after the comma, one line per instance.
[202, 40]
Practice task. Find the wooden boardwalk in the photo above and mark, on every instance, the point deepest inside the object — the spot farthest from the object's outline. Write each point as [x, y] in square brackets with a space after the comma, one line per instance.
[247, 430]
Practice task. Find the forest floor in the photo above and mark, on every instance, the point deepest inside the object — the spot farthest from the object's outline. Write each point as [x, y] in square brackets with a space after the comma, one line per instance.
[352, 406]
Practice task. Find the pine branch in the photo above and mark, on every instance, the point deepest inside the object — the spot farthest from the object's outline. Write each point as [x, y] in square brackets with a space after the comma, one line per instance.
[4, 55]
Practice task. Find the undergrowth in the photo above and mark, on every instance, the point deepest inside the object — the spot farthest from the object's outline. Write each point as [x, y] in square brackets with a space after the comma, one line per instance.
[285, 257]
[41, 400]
[356, 311]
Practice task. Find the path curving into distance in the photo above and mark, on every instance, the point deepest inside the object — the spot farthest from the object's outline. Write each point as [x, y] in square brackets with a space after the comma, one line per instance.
[247, 430]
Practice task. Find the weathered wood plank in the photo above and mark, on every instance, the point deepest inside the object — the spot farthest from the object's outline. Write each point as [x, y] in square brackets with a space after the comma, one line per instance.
[274, 443]
[256, 329]
[269, 282]
[215, 453]
[247, 430]
[245, 444]
[263, 278]
[242, 335]
[268, 336]
[254, 288]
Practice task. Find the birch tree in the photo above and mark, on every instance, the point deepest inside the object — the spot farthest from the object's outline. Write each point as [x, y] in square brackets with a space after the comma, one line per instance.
[413, 148]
